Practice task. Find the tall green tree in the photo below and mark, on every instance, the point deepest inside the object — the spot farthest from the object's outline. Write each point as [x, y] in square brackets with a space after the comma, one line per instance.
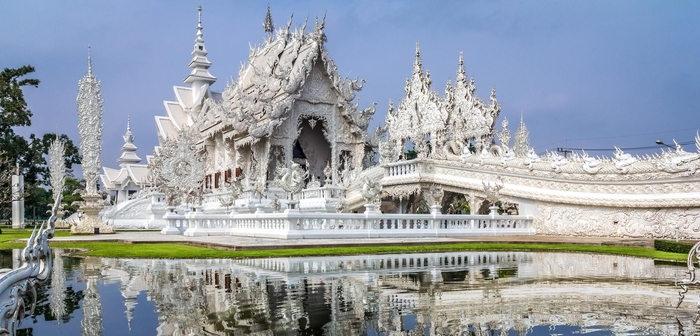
[13, 107]
[30, 154]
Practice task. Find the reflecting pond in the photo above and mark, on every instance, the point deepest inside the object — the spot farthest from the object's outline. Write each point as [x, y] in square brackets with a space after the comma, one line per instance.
[460, 293]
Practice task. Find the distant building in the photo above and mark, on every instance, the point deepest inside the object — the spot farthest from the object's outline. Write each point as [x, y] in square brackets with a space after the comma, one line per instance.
[130, 178]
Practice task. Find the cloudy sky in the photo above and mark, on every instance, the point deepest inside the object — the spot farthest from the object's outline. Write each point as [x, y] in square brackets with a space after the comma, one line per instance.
[585, 74]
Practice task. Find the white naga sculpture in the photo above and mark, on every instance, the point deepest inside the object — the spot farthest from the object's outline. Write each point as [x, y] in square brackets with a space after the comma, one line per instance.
[18, 286]
[90, 105]
[291, 179]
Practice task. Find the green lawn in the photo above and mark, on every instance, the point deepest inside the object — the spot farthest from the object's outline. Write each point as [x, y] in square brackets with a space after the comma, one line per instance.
[119, 250]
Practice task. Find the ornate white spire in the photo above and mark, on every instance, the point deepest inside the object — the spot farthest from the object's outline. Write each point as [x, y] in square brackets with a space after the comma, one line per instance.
[522, 139]
[199, 75]
[268, 26]
[128, 149]
[461, 72]
[417, 64]
[90, 105]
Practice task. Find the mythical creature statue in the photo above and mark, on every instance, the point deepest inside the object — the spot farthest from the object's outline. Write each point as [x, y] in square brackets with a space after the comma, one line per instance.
[328, 173]
[680, 160]
[623, 160]
[591, 165]
[493, 190]
[436, 193]
[340, 205]
[387, 153]
[556, 161]
[291, 179]
[370, 189]
[276, 205]
[232, 189]
[530, 158]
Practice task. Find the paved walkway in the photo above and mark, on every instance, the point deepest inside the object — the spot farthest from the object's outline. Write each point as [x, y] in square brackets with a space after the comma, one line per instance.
[249, 243]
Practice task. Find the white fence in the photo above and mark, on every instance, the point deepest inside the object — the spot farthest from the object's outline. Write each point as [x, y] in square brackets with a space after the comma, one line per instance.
[370, 224]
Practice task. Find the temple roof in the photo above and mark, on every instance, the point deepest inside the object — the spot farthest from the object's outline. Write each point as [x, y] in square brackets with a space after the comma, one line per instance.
[273, 78]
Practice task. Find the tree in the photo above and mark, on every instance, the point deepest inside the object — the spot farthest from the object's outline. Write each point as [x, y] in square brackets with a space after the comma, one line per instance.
[29, 154]
[13, 107]
[70, 196]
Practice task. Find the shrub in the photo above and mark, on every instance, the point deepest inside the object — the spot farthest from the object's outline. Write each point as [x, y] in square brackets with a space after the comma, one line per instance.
[672, 246]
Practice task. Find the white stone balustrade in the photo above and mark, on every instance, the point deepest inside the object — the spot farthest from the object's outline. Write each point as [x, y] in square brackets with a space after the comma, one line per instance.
[326, 192]
[370, 224]
[401, 168]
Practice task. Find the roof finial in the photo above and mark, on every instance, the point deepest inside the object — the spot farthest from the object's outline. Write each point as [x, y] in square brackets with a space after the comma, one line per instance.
[89, 61]
[461, 58]
[303, 27]
[268, 26]
[128, 123]
[199, 63]
[289, 23]
[417, 64]
[199, 21]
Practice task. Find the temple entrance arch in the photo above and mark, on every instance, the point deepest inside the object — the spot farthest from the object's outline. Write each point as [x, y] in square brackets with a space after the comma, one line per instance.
[312, 147]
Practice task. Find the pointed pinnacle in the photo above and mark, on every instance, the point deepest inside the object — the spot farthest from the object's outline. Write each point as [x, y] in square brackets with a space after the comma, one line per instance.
[199, 21]
[89, 60]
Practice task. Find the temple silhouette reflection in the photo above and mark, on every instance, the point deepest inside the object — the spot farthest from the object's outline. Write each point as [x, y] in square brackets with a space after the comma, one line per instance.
[460, 293]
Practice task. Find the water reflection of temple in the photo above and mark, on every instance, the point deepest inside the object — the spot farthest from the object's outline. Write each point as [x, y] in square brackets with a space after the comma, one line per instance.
[436, 294]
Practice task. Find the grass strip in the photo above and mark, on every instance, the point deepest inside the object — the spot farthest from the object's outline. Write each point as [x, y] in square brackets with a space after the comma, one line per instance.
[183, 251]
[180, 251]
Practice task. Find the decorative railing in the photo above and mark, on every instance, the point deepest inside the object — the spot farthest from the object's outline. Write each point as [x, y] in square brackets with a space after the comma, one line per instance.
[327, 192]
[370, 224]
[401, 168]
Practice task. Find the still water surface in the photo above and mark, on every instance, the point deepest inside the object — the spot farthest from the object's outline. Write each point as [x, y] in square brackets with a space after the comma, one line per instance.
[463, 293]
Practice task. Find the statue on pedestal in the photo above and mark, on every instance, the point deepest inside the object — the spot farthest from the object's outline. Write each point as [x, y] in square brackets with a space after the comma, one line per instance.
[291, 180]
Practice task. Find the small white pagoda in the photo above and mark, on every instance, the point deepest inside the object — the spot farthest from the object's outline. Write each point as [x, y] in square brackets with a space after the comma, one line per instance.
[123, 183]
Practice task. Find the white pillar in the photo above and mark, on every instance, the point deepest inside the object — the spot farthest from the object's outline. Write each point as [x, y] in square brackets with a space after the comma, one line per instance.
[17, 201]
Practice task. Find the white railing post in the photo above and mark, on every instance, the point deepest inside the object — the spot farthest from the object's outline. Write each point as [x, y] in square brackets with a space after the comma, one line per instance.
[171, 218]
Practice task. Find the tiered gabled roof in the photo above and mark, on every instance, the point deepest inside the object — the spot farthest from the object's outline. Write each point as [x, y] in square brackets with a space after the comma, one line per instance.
[258, 101]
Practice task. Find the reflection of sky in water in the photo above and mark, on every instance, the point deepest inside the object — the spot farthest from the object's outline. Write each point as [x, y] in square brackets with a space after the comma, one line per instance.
[428, 294]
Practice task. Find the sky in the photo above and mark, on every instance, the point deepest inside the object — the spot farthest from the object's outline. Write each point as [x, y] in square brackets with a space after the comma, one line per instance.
[584, 74]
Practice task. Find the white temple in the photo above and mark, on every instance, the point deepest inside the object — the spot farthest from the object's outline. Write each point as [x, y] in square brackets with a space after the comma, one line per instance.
[288, 130]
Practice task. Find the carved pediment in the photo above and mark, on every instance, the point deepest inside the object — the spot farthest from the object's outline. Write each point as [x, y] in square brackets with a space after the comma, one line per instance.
[318, 87]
